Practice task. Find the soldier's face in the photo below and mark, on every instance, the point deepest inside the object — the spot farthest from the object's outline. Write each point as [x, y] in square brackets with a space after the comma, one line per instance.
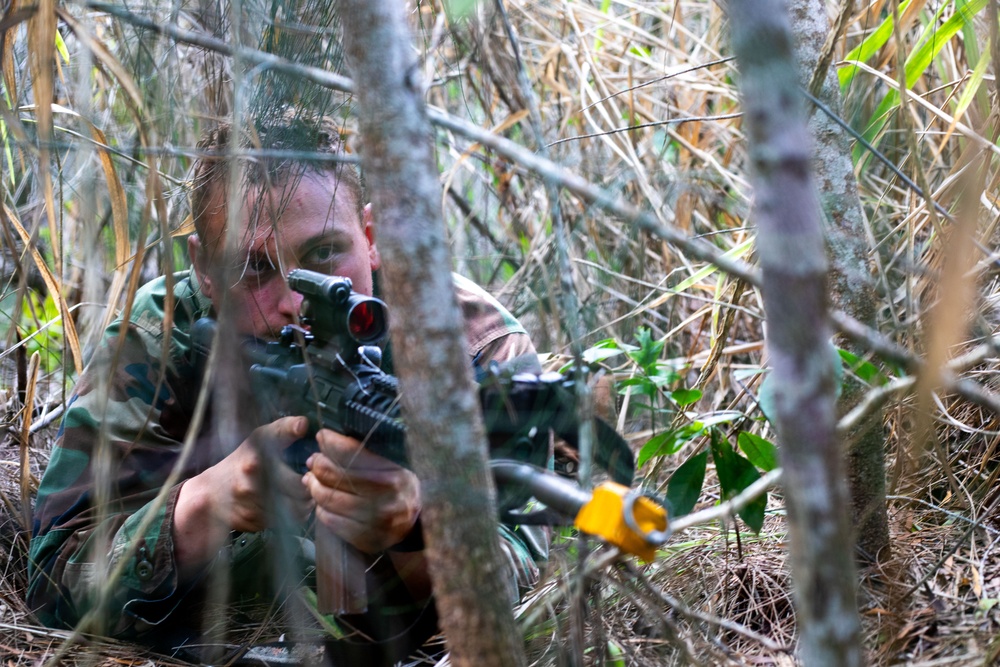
[311, 223]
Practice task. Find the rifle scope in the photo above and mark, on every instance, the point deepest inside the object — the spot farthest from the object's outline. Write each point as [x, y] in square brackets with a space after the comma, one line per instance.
[328, 298]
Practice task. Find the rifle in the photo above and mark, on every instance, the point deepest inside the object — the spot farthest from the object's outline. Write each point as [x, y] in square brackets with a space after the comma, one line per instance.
[328, 370]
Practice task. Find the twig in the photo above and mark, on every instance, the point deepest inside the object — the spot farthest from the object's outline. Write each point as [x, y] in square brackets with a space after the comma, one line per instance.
[48, 418]
[659, 79]
[642, 126]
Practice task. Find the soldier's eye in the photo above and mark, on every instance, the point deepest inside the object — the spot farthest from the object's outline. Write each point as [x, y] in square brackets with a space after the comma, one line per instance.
[259, 264]
[319, 256]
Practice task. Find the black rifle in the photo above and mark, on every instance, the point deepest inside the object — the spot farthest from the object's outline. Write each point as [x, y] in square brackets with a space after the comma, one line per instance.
[328, 370]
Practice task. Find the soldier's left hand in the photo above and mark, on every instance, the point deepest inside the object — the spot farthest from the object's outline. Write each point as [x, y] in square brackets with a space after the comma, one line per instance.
[364, 498]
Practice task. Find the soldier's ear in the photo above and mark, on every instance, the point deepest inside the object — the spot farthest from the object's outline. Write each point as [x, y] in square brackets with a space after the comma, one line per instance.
[200, 262]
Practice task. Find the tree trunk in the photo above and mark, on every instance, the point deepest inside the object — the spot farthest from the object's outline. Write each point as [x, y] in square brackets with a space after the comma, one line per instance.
[446, 440]
[793, 267]
[850, 278]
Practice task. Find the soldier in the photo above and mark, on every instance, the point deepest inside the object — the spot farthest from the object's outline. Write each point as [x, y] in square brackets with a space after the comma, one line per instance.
[125, 425]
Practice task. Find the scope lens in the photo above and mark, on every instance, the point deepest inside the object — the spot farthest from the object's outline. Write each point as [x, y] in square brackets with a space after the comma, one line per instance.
[366, 321]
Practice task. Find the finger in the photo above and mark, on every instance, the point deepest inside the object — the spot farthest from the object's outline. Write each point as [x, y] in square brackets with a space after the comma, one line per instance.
[289, 483]
[327, 472]
[364, 481]
[339, 500]
[351, 531]
[281, 432]
[350, 452]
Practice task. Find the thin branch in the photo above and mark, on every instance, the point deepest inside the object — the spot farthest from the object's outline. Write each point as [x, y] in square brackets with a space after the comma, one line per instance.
[659, 79]
[315, 75]
[642, 126]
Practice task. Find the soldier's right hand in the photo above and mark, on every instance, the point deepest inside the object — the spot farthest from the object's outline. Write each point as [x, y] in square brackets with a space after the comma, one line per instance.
[243, 504]
[230, 495]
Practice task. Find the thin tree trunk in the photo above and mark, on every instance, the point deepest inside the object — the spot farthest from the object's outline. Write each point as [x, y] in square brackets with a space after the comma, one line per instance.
[446, 439]
[793, 265]
[850, 279]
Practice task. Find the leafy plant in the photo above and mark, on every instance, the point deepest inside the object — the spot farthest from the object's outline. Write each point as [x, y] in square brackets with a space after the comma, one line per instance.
[41, 317]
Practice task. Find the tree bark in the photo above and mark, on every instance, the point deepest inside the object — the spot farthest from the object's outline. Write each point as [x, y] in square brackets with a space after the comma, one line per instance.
[446, 439]
[793, 266]
[850, 279]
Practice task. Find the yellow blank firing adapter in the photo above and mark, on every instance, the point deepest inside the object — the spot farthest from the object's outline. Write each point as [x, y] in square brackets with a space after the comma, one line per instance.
[621, 516]
[624, 518]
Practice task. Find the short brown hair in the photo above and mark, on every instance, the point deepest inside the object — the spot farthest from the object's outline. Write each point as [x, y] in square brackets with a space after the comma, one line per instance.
[274, 153]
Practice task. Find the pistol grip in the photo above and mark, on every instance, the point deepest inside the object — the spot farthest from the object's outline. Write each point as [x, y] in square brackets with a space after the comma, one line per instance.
[340, 575]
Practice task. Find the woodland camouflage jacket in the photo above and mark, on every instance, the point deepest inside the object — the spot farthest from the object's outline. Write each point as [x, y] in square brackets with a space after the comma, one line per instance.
[121, 437]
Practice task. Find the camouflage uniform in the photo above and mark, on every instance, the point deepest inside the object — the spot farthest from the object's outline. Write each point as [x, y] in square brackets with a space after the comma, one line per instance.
[122, 435]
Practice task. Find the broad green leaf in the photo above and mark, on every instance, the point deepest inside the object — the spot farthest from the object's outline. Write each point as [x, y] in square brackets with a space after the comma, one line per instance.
[616, 656]
[649, 350]
[658, 445]
[685, 397]
[759, 451]
[595, 355]
[721, 417]
[865, 370]
[735, 474]
[642, 386]
[668, 442]
[765, 399]
[685, 484]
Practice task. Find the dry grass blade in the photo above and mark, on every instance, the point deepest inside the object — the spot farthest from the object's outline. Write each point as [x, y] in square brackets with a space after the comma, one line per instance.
[52, 285]
[28, 408]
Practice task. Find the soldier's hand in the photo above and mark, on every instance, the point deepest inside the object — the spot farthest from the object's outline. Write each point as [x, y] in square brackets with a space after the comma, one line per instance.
[242, 503]
[364, 498]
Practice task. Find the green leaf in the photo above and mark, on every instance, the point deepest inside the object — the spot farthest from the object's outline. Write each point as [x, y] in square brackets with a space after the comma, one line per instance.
[668, 442]
[656, 446]
[61, 47]
[759, 451]
[642, 386]
[685, 397]
[598, 354]
[649, 350]
[765, 398]
[865, 370]
[735, 474]
[685, 484]
[616, 656]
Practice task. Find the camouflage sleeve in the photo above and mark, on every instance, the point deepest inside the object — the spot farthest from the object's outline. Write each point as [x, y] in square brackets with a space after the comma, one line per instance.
[98, 524]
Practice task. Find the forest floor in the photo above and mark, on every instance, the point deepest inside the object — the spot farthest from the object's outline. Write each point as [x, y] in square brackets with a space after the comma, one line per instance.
[713, 597]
